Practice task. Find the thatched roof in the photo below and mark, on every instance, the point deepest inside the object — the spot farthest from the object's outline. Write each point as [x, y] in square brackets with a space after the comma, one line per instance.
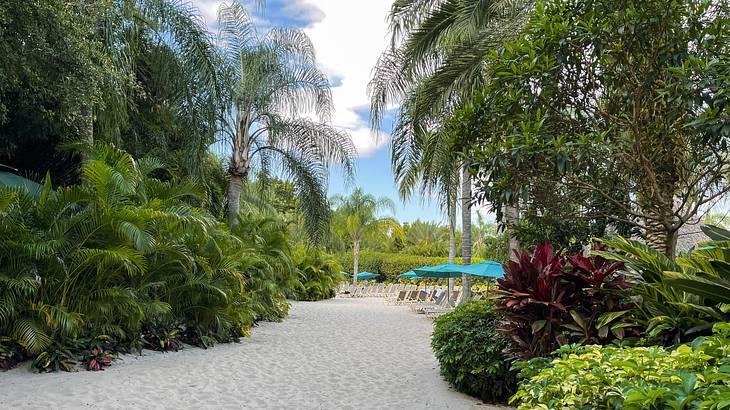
[690, 235]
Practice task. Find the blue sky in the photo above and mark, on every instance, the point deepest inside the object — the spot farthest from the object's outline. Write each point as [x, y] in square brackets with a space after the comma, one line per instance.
[348, 35]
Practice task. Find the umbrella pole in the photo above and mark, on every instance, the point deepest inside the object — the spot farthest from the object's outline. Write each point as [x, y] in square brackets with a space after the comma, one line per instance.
[448, 290]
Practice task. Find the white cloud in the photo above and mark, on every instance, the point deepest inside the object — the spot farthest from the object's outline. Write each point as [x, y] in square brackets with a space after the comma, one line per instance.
[349, 40]
[349, 36]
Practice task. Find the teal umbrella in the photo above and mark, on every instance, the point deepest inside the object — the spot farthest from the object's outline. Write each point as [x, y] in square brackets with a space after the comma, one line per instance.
[445, 270]
[367, 276]
[344, 273]
[408, 275]
[489, 269]
[16, 181]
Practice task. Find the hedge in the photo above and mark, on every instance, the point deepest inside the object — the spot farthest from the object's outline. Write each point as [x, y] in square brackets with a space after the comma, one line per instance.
[390, 265]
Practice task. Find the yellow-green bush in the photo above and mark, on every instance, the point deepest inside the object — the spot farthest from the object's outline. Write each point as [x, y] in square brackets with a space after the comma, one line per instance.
[692, 376]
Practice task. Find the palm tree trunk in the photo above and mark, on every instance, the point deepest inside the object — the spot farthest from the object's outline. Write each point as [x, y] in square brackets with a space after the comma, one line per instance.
[355, 260]
[466, 232]
[452, 243]
[512, 218]
[238, 170]
[660, 221]
[234, 199]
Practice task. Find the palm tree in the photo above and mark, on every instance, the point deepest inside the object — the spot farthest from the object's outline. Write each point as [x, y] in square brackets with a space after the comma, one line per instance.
[272, 84]
[356, 217]
[435, 60]
[172, 37]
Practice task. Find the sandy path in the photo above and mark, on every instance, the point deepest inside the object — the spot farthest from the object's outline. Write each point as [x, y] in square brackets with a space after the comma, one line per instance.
[335, 354]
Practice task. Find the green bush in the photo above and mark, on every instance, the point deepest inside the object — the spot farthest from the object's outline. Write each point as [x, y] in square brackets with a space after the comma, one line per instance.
[469, 351]
[692, 376]
[124, 252]
[319, 274]
[390, 265]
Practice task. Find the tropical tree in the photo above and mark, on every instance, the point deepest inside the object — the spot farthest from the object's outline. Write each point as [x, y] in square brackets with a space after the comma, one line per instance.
[622, 103]
[273, 83]
[138, 73]
[357, 217]
[435, 60]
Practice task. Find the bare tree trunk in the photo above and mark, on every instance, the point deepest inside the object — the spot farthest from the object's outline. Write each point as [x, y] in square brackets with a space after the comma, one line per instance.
[660, 221]
[452, 244]
[512, 218]
[466, 232]
[355, 260]
[234, 199]
[238, 170]
[87, 131]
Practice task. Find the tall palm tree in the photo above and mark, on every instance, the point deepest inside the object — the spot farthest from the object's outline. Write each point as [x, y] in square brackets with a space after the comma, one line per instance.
[356, 217]
[434, 61]
[172, 34]
[273, 84]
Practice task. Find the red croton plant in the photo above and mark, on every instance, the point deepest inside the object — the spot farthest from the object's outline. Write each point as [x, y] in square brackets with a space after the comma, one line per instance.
[549, 299]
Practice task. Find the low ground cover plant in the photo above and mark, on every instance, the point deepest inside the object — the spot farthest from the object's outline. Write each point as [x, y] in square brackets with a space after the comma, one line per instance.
[469, 350]
[690, 376]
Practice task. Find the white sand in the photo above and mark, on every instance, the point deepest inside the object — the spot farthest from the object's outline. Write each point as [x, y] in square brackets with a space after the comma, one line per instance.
[335, 354]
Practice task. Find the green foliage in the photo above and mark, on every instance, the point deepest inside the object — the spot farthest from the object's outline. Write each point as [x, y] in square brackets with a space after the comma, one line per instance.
[694, 376]
[393, 264]
[669, 314]
[124, 252]
[607, 113]
[319, 274]
[469, 350]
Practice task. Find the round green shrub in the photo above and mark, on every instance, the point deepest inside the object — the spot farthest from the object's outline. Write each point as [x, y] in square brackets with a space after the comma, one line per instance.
[469, 351]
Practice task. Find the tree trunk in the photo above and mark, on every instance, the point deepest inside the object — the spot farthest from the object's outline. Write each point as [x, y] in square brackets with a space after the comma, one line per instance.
[660, 221]
[512, 218]
[238, 170]
[355, 260]
[234, 199]
[452, 244]
[87, 131]
[466, 232]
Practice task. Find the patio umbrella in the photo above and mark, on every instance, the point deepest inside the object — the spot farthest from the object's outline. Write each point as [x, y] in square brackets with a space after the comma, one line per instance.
[367, 276]
[488, 269]
[16, 181]
[408, 275]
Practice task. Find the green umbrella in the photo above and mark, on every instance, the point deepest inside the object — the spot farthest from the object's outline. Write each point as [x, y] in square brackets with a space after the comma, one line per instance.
[408, 275]
[16, 181]
[489, 269]
[367, 276]
[444, 270]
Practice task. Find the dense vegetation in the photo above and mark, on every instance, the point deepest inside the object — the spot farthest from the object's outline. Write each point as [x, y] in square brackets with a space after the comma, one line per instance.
[118, 107]
[690, 376]
[469, 350]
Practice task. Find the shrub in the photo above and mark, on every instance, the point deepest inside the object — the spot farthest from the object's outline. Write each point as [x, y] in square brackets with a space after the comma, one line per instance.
[125, 251]
[469, 351]
[593, 377]
[672, 299]
[319, 274]
[548, 300]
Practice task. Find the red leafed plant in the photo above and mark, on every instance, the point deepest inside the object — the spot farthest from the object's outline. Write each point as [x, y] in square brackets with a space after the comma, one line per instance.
[97, 359]
[549, 299]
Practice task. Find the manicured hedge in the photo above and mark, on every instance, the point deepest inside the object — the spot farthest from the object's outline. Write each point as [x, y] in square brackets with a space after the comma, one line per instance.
[469, 351]
[390, 265]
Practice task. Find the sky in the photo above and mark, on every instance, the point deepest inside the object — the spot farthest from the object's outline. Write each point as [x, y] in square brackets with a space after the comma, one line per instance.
[349, 36]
